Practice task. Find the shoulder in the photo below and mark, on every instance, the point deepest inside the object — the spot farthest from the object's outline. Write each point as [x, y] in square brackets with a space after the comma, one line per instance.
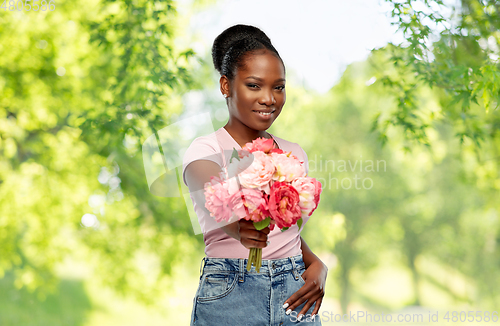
[209, 140]
[207, 147]
[290, 146]
[296, 150]
[202, 145]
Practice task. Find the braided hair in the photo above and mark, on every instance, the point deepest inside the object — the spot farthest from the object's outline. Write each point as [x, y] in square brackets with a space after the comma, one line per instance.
[234, 43]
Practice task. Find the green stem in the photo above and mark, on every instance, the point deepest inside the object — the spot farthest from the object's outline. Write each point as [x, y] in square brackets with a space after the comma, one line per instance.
[254, 256]
[259, 259]
[251, 256]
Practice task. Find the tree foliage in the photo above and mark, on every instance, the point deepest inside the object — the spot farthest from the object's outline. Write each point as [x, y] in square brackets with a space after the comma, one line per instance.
[458, 55]
[81, 90]
[428, 210]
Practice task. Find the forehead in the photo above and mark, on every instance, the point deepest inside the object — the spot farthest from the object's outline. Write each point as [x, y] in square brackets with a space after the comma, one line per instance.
[263, 64]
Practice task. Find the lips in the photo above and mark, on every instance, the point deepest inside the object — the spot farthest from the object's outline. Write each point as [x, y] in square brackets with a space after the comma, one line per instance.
[264, 116]
[264, 111]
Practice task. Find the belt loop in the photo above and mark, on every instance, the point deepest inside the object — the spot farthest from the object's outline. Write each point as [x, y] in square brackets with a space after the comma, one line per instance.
[242, 270]
[294, 268]
[202, 266]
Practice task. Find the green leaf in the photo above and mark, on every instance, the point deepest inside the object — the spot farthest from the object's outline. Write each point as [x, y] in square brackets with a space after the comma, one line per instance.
[299, 222]
[262, 224]
[284, 229]
[234, 155]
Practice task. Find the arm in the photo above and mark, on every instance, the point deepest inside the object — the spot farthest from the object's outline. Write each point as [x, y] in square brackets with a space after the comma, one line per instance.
[197, 174]
[308, 256]
[313, 290]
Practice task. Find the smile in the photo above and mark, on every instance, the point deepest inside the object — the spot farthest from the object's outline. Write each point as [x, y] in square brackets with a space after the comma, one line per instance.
[264, 115]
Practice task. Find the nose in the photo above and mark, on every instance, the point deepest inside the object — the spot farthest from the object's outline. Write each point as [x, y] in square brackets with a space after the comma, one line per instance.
[267, 99]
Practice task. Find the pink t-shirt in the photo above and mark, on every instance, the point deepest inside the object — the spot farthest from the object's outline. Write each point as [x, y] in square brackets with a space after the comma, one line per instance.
[218, 147]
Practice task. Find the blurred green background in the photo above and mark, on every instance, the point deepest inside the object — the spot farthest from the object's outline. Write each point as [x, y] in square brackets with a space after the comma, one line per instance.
[406, 145]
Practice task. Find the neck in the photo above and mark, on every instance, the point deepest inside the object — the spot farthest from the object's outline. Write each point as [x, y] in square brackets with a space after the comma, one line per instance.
[242, 134]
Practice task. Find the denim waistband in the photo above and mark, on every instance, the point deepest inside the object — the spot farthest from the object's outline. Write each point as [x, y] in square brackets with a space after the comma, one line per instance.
[239, 265]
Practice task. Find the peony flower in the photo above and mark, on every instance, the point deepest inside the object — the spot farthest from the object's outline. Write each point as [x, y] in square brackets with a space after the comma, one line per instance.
[259, 173]
[309, 191]
[242, 153]
[249, 204]
[216, 194]
[288, 167]
[284, 204]
[262, 211]
[236, 167]
[260, 144]
[317, 191]
[276, 150]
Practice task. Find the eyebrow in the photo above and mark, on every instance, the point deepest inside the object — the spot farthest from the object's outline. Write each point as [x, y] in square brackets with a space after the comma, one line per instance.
[260, 79]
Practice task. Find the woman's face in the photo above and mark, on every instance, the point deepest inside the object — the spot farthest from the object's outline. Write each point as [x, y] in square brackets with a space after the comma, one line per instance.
[259, 86]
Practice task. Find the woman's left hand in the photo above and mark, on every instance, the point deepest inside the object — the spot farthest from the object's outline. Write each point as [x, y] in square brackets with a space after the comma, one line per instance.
[312, 291]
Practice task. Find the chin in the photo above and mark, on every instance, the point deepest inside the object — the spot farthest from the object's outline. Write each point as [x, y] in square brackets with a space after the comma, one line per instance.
[258, 126]
[264, 126]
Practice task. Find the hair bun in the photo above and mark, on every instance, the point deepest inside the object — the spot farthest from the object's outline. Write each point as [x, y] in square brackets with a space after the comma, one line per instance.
[230, 36]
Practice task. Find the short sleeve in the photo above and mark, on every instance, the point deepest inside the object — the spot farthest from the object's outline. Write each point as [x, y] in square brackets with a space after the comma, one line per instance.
[202, 148]
[306, 160]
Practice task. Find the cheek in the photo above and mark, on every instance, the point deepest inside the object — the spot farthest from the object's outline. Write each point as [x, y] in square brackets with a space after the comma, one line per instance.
[246, 100]
[281, 99]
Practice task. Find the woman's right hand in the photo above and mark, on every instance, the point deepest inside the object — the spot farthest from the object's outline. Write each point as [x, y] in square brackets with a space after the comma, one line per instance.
[250, 237]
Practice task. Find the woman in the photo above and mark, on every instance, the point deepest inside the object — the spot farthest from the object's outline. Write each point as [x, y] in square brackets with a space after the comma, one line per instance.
[289, 287]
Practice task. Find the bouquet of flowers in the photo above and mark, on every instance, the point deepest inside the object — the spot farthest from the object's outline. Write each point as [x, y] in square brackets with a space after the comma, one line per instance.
[265, 185]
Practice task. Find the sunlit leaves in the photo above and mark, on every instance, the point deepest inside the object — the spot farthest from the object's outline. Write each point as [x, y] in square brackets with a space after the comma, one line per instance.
[452, 60]
[80, 89]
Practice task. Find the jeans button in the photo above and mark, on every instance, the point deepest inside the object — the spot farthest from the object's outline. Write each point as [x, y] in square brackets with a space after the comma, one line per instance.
[273, 266]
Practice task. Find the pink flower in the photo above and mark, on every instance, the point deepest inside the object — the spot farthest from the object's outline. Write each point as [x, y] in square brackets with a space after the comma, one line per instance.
[259, 144]
[309, 190]
[236, 167]
[288, 167]
[276, 150]
[272, 224]
[242, 153]
[317, 191]
[259, 173]
[262, 211]
[249, 204]
[216, 194]
[283, 204]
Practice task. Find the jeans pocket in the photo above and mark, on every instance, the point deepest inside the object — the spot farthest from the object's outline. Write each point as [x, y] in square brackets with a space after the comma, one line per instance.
[300, 272]
[216, 285]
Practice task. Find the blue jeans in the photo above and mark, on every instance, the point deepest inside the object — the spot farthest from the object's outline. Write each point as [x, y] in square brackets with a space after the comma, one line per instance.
[228, 295]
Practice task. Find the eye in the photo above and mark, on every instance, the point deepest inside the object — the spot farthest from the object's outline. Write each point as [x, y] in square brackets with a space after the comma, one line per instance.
[252, 85]
[282, 87]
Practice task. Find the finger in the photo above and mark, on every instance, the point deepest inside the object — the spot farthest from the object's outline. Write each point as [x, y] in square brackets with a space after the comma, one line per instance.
[250, 243]
[251, 233]
[244, 224]
[308, 305]
[263, 236]
[297, 298]
[297, 303]
[266, 230]
[318, 304]
[257, 235]
[249, 225]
